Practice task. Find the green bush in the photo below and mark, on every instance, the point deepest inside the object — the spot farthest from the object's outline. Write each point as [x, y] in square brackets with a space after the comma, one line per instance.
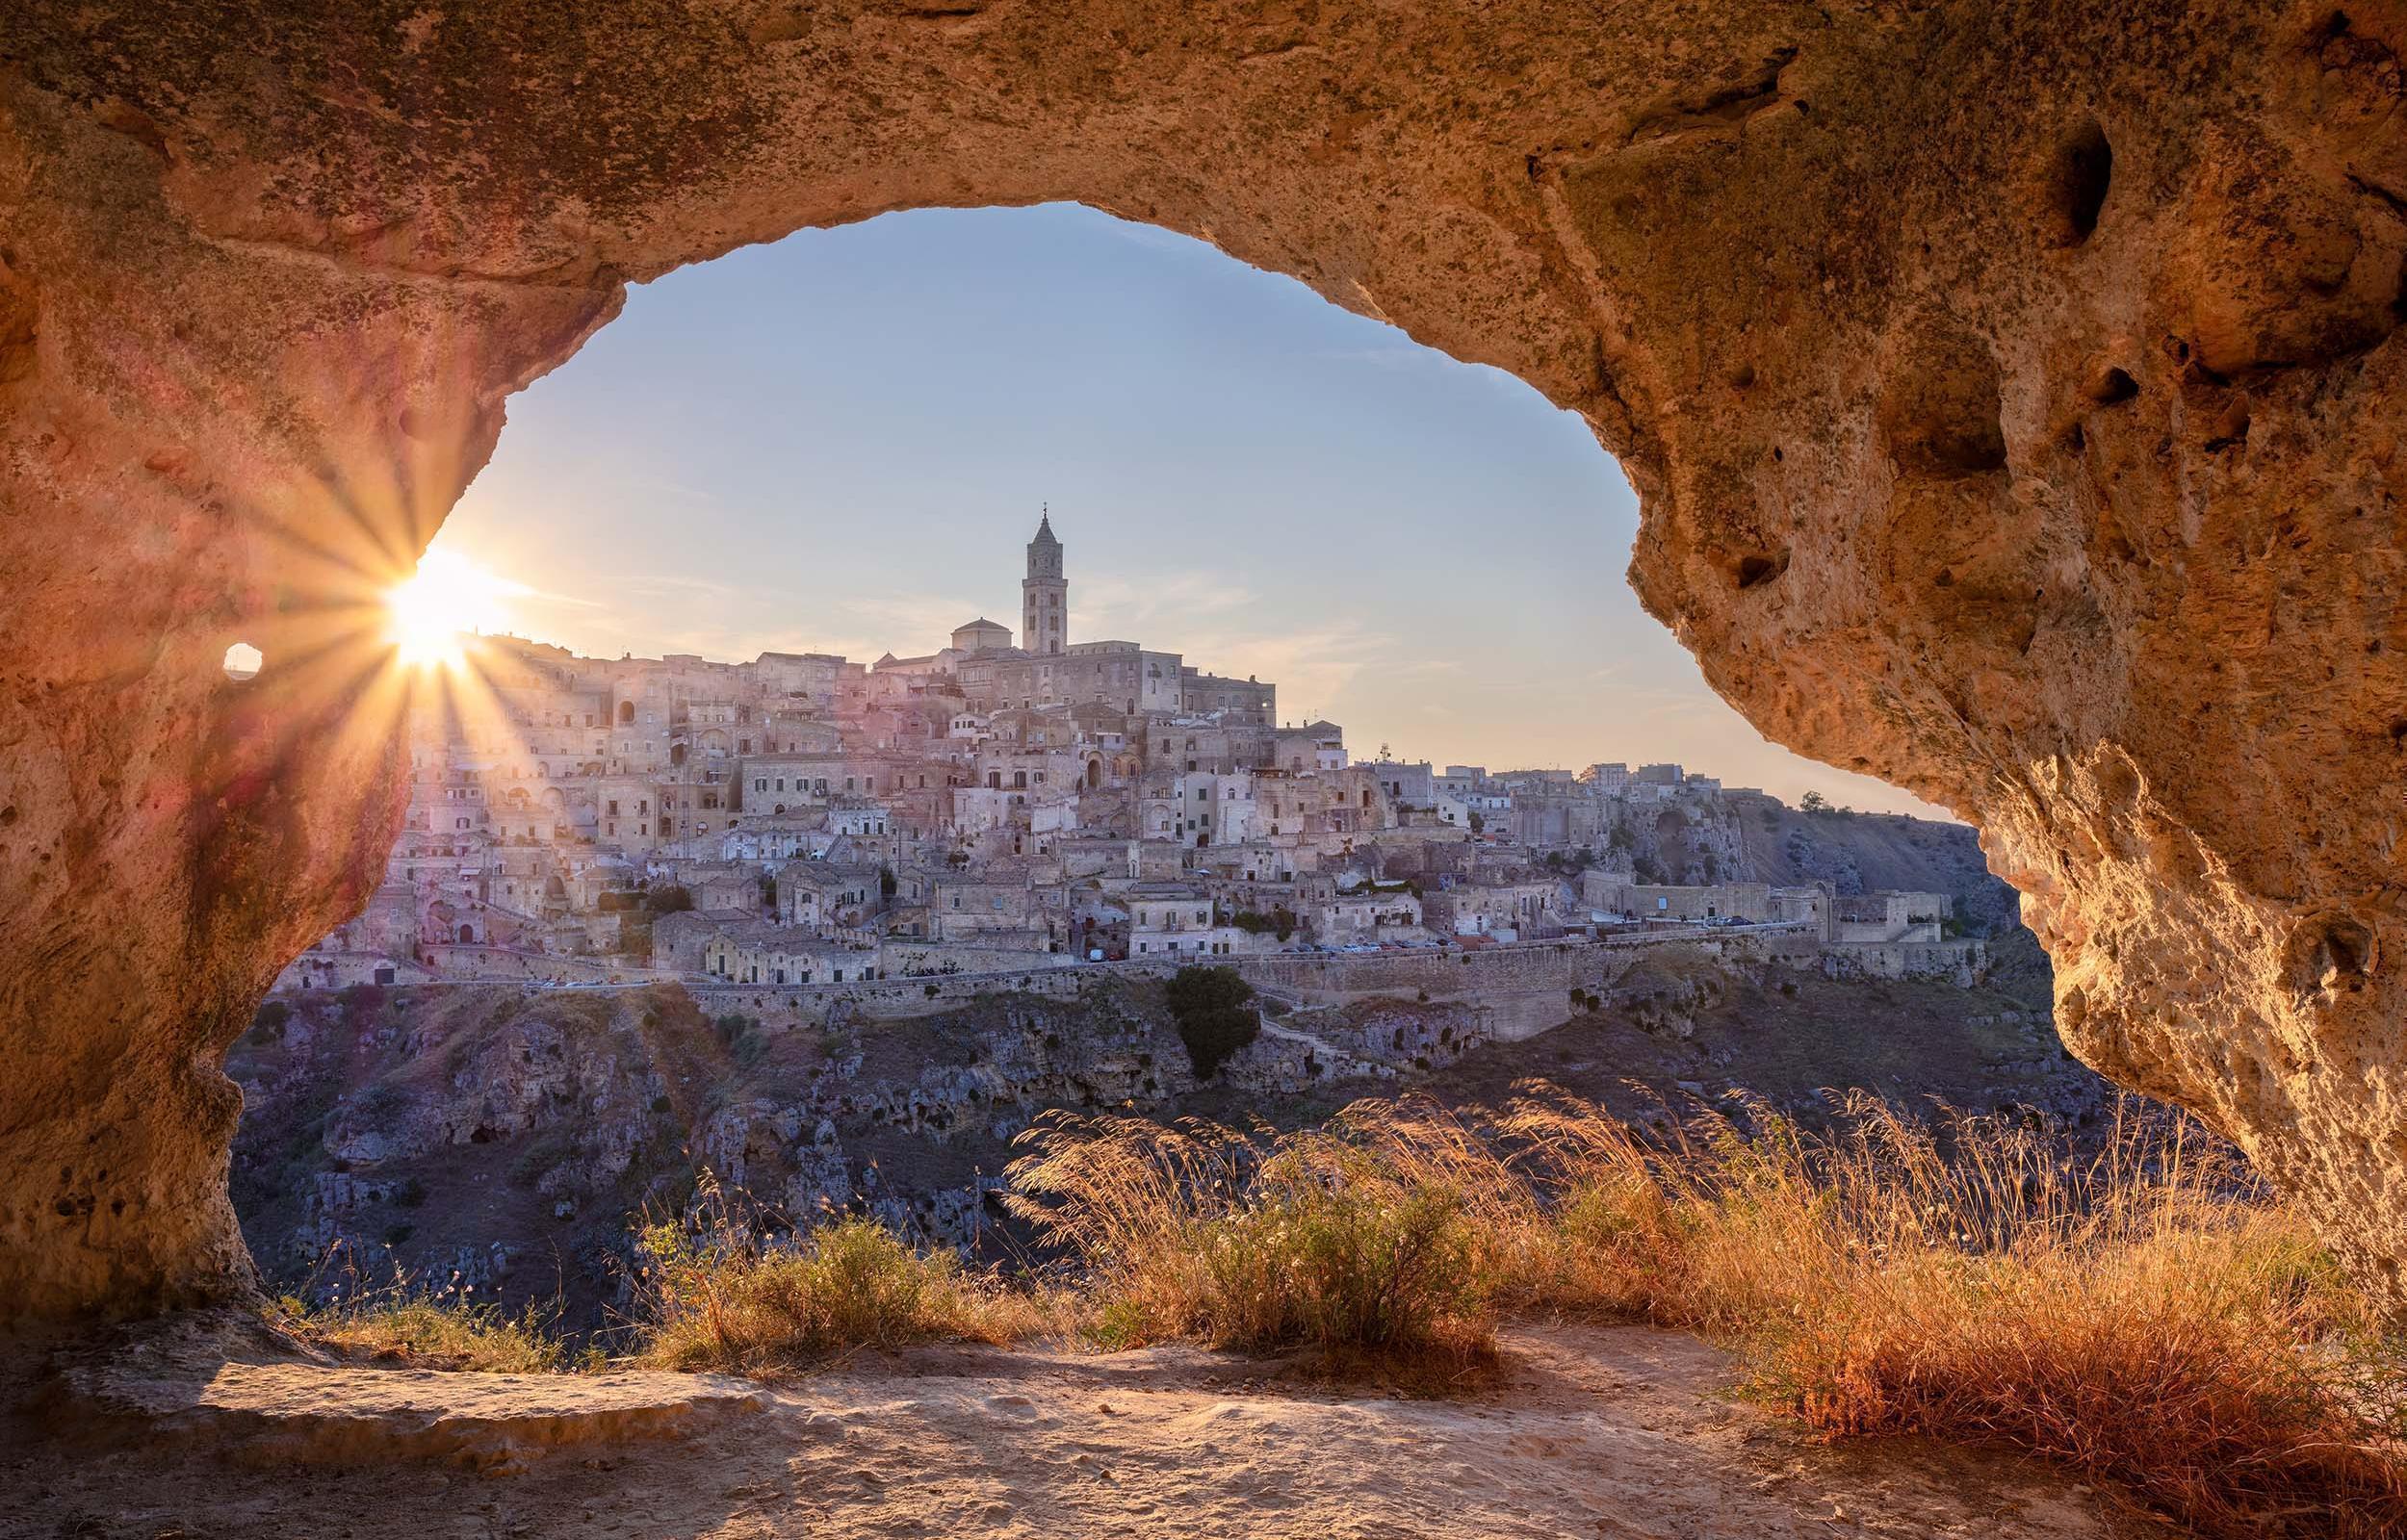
[1279, 922]
[1214, 1009]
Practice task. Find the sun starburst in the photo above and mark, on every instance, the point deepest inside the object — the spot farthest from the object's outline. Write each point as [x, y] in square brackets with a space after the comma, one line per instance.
[449, 597]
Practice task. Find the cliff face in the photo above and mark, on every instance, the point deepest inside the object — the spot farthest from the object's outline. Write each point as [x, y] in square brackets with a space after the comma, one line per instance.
[2014, 393]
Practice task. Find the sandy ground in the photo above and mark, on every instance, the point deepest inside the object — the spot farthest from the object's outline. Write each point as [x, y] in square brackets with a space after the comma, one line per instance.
[1617, 1432]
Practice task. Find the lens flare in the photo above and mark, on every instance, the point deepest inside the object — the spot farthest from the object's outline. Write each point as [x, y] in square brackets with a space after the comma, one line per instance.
[449, 597]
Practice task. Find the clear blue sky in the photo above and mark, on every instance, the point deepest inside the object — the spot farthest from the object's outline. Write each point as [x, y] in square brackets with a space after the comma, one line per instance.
[840, 442]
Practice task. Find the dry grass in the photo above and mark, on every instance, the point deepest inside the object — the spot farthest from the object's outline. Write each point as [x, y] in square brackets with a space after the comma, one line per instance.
[407, 1320]
[1194, 1230]
[2144, 1314]
[719, 1295]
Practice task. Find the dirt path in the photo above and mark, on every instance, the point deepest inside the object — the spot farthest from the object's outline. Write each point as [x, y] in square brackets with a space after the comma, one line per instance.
[1621, 1433]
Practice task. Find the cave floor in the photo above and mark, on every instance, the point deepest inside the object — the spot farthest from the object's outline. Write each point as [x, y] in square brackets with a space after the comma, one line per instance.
[1623, 1432]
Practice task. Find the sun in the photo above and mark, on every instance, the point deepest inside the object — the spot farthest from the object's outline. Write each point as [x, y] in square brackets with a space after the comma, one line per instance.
[447, 599]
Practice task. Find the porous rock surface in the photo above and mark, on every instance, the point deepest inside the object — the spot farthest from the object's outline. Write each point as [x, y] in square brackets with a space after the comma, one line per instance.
[236, 1389]
[2012, 390]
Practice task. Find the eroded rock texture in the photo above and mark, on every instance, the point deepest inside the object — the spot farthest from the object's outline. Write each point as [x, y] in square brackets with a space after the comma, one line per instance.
[2012, 389]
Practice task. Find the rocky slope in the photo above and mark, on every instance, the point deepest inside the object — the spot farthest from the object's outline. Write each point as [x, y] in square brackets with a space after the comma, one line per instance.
[505, 1141]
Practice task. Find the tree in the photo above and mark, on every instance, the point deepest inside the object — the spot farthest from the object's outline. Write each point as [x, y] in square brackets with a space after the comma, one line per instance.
[1814, 802]
[1479, 822]
[1214, 1009]
[886, 882]
[673, 899]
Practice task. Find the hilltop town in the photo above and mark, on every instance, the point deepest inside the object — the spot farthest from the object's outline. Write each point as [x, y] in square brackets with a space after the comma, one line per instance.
[804, 820]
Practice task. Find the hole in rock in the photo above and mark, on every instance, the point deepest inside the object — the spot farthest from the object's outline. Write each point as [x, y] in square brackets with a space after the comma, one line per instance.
[1755, 571]
[243, 662]
[2328, 952]
[2084, 173]
[2113, 387]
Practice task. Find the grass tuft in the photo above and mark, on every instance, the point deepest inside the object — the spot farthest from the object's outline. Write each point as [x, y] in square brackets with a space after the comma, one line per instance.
[720, 1295]
[405, 1321]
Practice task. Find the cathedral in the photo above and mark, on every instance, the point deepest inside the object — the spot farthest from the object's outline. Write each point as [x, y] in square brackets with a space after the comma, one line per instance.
[1046, 670]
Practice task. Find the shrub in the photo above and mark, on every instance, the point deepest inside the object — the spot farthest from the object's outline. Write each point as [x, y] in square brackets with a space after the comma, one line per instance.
[1368, 1270]
[721, 1298]
[1279, 922]
[1214, 1009]
[673, 899]
[405, 1320]
[1195, 1230]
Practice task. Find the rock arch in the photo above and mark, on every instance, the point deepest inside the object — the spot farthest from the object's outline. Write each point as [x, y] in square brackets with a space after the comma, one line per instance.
[2013, 392]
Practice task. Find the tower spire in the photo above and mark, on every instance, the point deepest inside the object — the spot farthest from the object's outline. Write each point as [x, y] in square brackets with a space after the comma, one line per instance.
[1045, 594]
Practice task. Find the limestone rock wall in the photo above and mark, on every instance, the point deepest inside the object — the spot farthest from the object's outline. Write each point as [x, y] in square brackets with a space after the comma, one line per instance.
[2012, 389]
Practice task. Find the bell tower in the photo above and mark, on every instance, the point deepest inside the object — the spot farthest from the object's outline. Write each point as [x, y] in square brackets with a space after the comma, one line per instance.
[1044, 593]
